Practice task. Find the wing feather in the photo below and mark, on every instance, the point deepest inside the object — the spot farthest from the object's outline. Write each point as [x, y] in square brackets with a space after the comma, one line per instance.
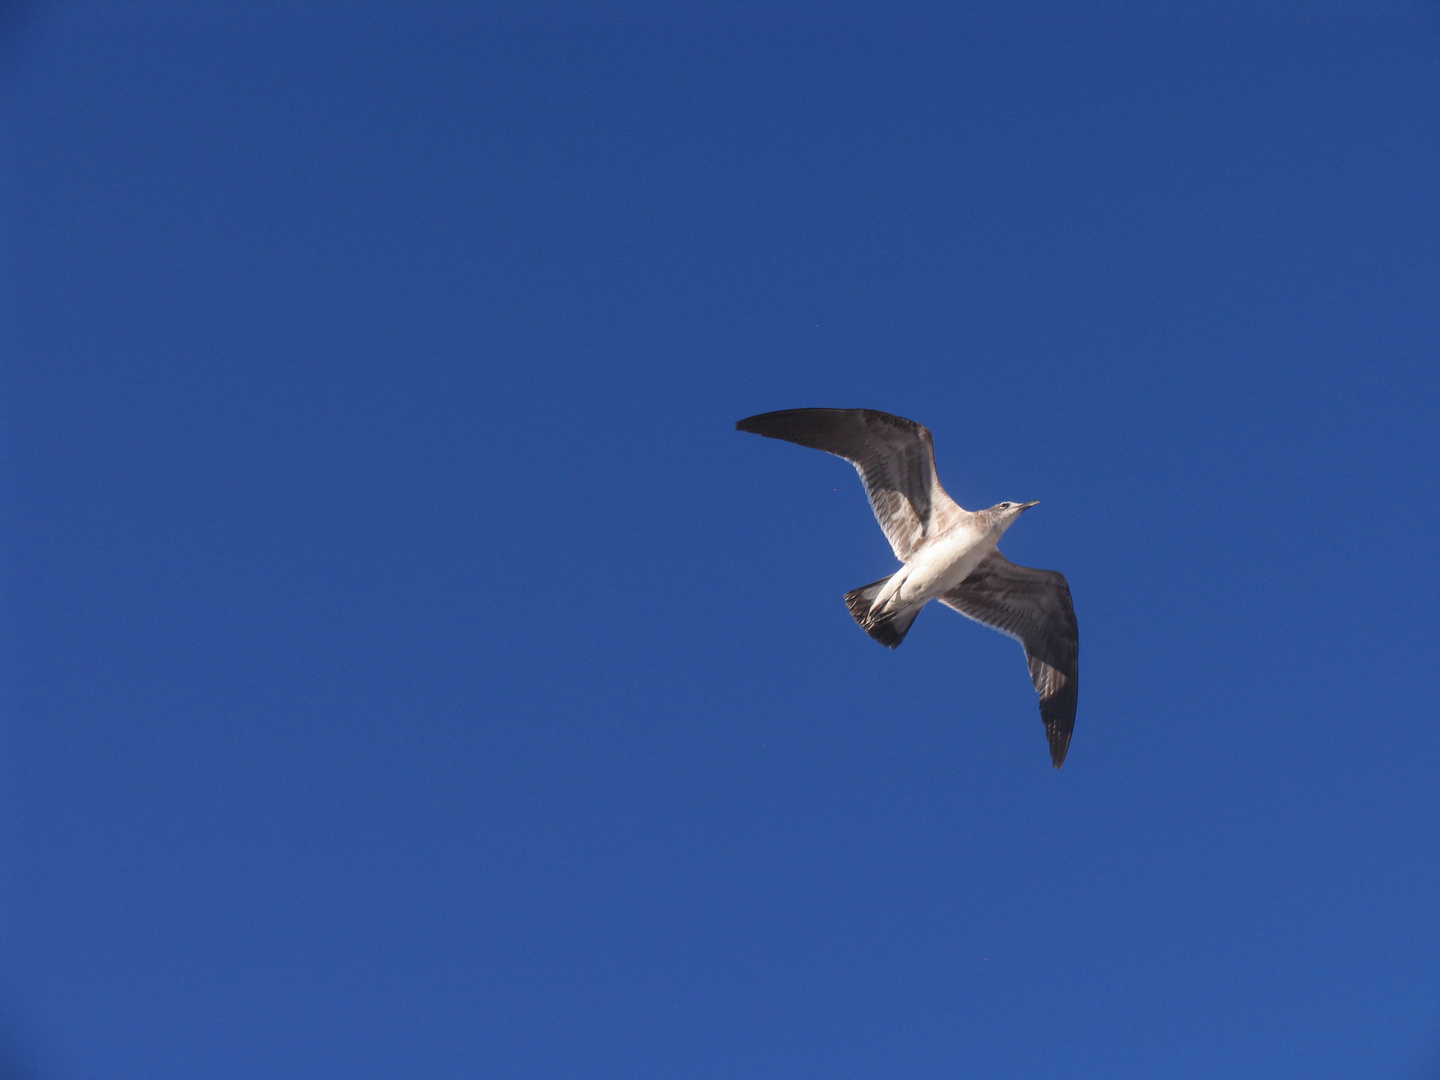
[895, 458]
[1034, 607]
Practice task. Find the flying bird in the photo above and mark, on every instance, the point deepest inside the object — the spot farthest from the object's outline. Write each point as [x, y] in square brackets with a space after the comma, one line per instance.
[949, 554]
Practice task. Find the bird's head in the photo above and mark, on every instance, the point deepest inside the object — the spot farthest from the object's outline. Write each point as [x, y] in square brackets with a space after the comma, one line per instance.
[1003, 515]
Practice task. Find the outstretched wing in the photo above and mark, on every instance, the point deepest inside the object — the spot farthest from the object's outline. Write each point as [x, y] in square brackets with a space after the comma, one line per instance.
[895, 458]
[1032, 606]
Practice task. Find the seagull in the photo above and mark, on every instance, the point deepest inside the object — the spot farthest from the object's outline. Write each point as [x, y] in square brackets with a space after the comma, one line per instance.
[948, 553]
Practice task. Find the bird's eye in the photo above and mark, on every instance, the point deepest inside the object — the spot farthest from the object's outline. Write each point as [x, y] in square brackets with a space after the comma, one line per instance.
[1005, 506]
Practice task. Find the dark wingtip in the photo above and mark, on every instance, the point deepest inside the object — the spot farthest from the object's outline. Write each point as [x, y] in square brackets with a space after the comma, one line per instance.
[1059, 747]
[756, 425]
[765, 423]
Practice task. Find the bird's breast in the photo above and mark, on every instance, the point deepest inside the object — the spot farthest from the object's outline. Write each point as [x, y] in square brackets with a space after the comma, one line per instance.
[947, 560]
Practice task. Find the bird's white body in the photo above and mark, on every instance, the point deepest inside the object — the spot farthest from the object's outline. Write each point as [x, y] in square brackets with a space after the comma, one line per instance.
[939, 564]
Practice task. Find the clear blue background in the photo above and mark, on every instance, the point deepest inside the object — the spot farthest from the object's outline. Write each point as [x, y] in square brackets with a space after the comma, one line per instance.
[410, 673]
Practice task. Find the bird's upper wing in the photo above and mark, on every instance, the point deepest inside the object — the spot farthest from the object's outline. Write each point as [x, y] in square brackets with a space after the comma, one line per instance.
[1032, 606]
[895, 458]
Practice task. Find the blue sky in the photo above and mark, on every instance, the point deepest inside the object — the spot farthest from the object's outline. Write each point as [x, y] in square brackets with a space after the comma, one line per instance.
[408, 671]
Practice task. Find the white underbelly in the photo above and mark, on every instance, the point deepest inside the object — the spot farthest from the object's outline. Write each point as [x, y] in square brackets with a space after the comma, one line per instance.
[940, 566]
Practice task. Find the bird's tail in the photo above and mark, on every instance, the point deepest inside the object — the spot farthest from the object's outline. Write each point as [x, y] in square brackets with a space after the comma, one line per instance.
[888, 627]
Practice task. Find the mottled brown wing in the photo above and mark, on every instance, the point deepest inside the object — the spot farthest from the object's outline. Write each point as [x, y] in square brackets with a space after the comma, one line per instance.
[1034, 607]
[895, 458]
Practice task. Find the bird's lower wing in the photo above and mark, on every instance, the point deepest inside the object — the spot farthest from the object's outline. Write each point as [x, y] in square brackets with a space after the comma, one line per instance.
[1034, 607]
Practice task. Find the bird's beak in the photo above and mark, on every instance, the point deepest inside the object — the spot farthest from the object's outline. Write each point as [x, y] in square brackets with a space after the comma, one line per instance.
[1026, 506]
